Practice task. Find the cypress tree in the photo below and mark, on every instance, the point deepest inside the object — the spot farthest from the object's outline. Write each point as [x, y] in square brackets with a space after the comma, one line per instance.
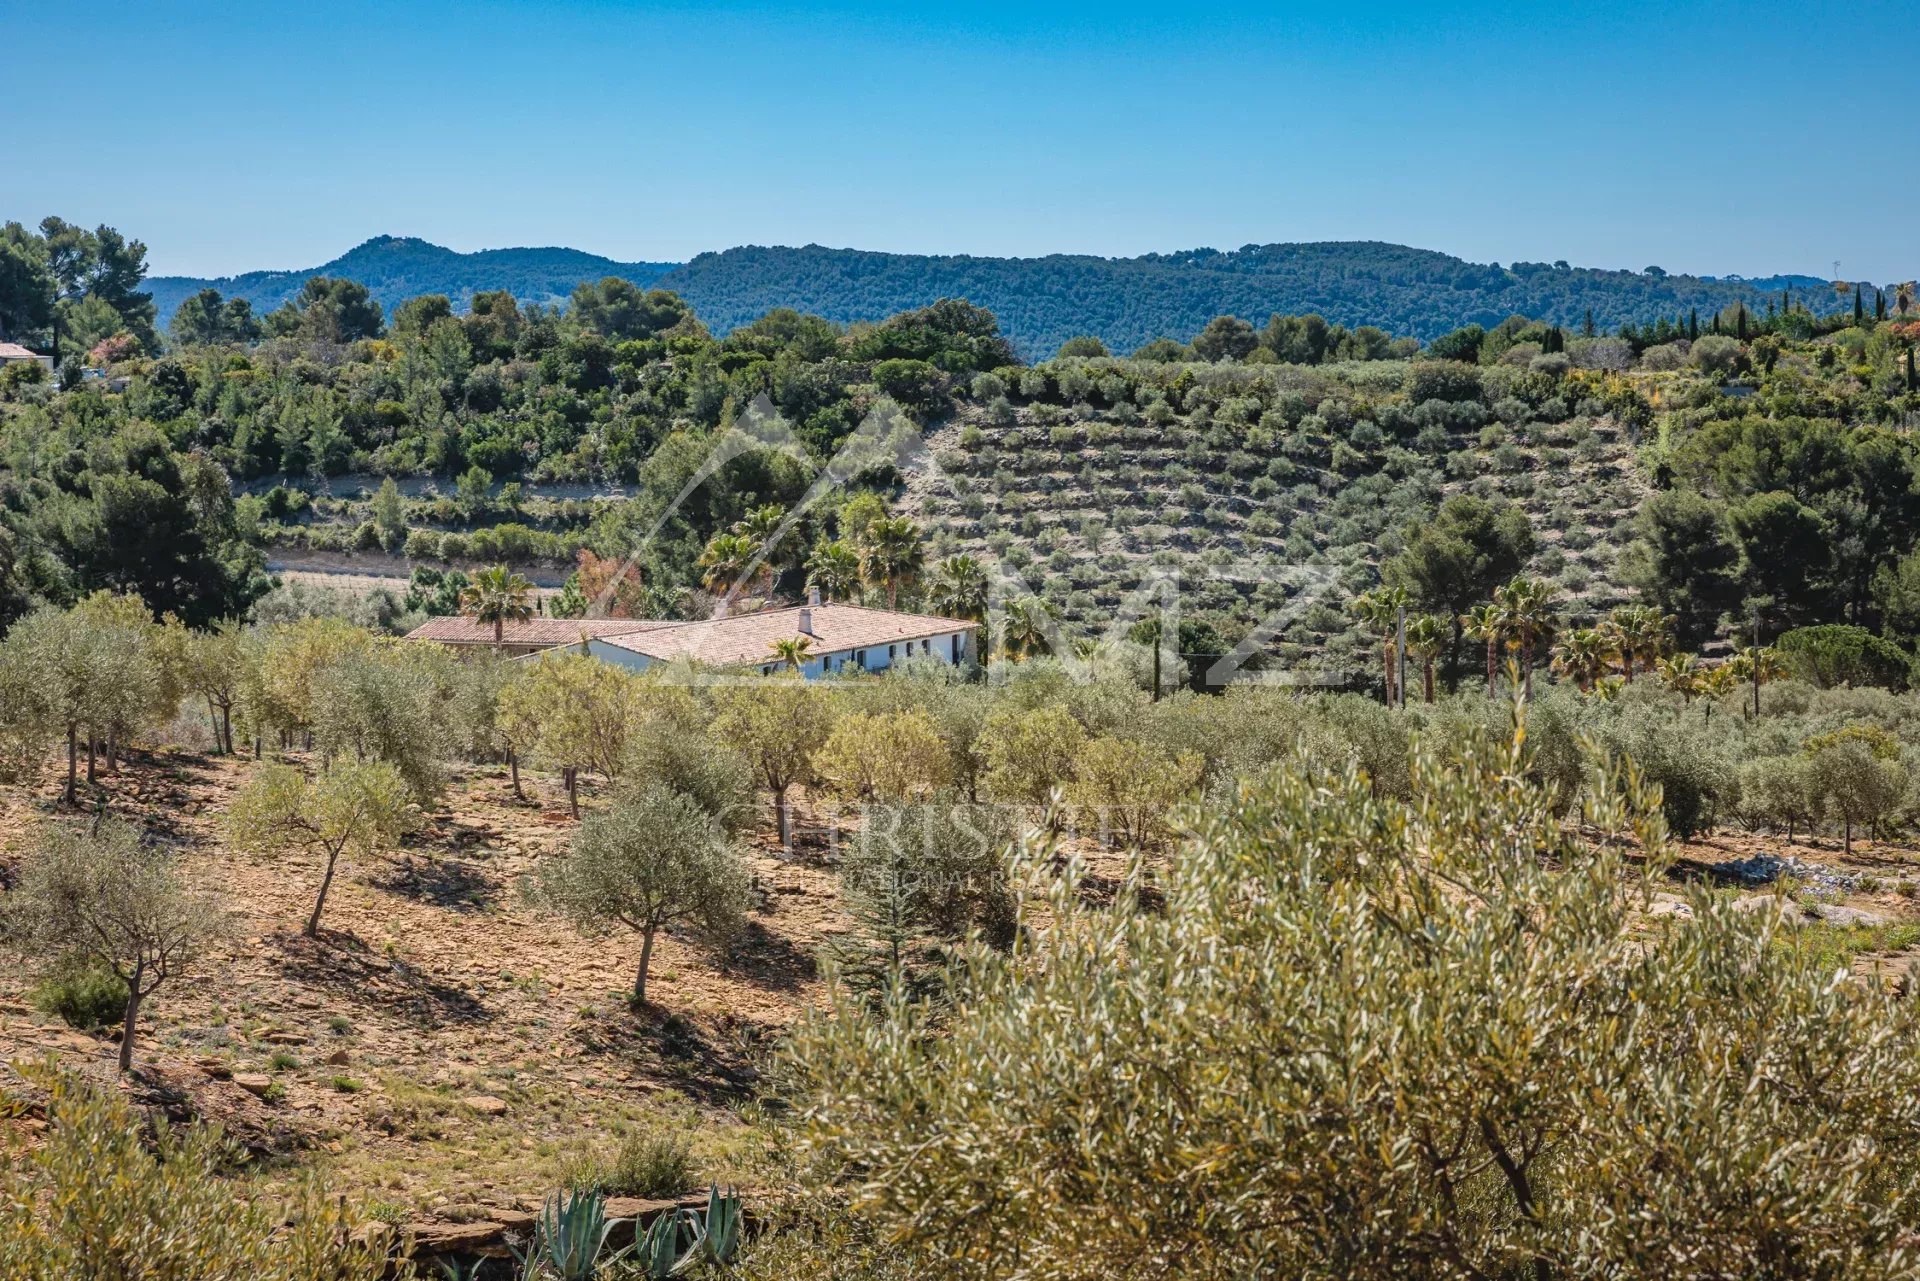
[1740, 323]
[1859, 307]
[1586, 328]
[1879, 304]
[1693, 324]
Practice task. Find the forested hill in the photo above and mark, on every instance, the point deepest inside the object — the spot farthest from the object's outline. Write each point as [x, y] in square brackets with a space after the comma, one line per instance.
[395, 268]
[1041, 302]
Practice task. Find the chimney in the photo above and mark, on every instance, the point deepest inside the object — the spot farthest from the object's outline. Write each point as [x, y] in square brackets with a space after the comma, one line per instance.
[813, 594]
[806, 622]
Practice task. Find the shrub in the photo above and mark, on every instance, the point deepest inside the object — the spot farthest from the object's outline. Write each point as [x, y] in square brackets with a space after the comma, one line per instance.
[1448, 1012]
[82, 993]
[646, 1164]
[103, 1198]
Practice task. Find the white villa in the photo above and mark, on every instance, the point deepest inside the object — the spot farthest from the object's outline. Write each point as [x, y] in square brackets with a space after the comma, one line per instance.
[841, 637]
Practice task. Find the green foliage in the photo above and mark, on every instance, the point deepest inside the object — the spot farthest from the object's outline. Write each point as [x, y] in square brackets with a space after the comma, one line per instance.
[357, 809]
[97, 894]
[645, 1164]
[654, 859]
[570, 1239]
[82, 992]
[1223, 1078]
[1835, 654]
[101, 1197]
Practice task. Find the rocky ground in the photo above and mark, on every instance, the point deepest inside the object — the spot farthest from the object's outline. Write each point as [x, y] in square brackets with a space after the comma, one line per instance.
[441, 1044]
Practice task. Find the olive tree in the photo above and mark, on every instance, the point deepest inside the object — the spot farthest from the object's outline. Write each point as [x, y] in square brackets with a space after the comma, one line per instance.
[1374, 1036]
[356, 808]
[888, 755]
[100, 892]
[1030, 753]
[653, 859]
[384, 704]
[1857, 784]
[777, 724]
[574, 713]
[1129, 787]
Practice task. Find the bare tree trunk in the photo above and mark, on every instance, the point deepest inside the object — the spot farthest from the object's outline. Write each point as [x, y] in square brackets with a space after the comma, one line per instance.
[326, 883]
[113, 750]
[646, 959]
[573, 789]
[73, 764]
[513, 768]
[1429, 679]
[93, 753]
[782, 819]
[213, 723]
[129, 1028]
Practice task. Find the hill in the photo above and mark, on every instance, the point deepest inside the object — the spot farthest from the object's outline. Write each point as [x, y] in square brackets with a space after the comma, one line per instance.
[1041, 302]
[396, 268]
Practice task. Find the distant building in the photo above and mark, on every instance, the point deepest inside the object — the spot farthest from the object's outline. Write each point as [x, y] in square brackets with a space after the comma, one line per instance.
[842, 638]
[530, 637]
[12, 353]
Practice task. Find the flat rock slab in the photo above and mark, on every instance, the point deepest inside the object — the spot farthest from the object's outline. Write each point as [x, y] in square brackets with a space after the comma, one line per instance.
[485, 1104]
[257, 1084]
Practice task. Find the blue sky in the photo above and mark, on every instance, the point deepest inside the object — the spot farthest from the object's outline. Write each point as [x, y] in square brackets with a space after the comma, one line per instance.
[1710, 138]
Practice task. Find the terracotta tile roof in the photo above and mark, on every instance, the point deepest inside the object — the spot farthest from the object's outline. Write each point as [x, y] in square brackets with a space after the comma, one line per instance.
[459, 630]
[14, 351]
[749, 638]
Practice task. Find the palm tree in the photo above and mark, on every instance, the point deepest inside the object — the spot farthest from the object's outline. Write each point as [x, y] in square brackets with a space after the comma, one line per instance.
[1759, 664]
[1683, 675]
[1379, 610]
[1585, 654]
[1426, 641]
[891, 555]
[1025, 631]
[498, 596]
[958, 588]
[1486, 623]
[724, 560]
[759, 527]
[1526, 616]
[795, 651]
[1639, 632]
[835, 569]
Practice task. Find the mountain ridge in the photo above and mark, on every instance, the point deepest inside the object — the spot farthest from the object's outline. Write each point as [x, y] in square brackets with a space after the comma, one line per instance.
[395, 268]
[1042, 301]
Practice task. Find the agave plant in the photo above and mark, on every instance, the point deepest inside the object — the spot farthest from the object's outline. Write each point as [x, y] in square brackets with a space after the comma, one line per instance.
[711, 1236]
[720, 1227]
[658, 1248]
[570, 1239]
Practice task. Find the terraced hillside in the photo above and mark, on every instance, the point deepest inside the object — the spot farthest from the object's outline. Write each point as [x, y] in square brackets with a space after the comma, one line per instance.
[1089, 477]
